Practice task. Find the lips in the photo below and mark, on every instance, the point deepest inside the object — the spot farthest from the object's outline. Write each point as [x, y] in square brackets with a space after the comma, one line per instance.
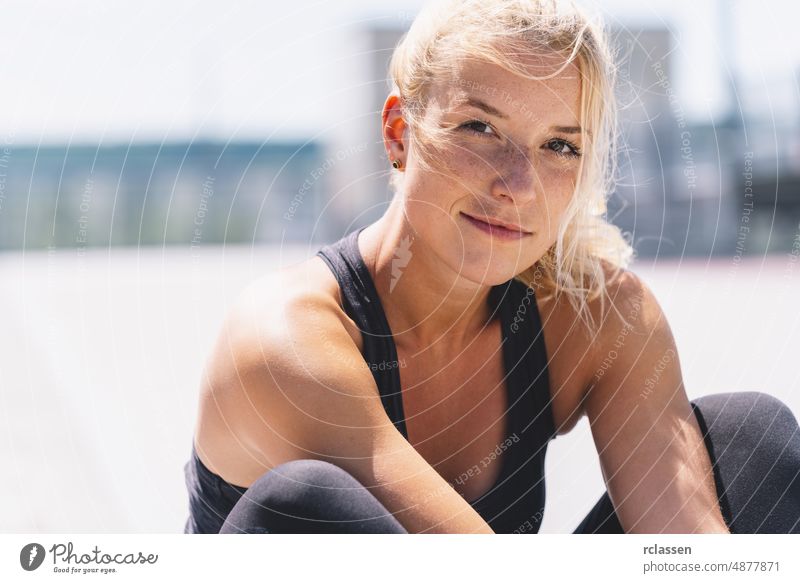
[496, 223]
[496, 232]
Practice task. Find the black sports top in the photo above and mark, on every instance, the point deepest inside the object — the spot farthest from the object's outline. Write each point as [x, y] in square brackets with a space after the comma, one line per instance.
[515, 502]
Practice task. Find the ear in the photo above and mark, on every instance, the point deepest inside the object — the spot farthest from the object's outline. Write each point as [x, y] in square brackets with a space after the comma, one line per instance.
[394, 129]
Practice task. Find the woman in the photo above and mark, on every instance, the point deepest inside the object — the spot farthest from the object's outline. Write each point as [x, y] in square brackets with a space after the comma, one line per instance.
[409, 377]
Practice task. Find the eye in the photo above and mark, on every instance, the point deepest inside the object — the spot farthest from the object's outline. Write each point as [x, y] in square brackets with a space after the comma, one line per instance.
[477, 126]
[564, 148]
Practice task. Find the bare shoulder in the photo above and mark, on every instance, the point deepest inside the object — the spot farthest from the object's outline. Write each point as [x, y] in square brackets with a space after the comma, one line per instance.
[275, 302]
[276, 337]
[575, 353]
[280, 312]
[632, 330]
[627, 304]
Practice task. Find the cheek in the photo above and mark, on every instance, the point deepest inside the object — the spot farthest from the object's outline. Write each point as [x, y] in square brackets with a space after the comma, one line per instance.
[557, 189]
[429, 200]
[554, 205]
[466, 163]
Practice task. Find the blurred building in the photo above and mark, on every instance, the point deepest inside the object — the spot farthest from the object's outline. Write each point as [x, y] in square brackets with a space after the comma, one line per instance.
[175, 194]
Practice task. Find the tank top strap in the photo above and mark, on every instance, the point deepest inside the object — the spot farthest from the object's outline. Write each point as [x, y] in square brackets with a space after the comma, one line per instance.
[361, 302]
[526, 362]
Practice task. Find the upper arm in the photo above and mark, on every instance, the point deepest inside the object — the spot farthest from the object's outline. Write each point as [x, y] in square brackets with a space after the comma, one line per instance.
[652, 454]
[297, 382]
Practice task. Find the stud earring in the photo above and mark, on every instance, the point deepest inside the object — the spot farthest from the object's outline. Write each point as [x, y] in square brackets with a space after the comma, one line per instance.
[396, 164]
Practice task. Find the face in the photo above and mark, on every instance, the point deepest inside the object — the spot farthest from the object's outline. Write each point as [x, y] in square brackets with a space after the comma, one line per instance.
[512, 158]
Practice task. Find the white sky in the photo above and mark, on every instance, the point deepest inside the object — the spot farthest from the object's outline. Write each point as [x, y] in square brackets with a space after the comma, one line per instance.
[86, 70]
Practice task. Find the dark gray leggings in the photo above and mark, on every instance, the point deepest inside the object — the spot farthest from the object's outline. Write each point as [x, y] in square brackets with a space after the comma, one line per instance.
[753, 440]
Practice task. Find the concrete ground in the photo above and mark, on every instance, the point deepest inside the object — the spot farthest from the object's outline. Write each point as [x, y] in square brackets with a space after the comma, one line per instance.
[101, 355]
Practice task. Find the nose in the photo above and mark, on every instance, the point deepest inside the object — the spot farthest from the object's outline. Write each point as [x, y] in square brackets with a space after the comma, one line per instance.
[516, 178]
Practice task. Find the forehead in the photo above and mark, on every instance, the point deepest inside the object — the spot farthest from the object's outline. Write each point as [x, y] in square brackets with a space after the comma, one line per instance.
[520, 98]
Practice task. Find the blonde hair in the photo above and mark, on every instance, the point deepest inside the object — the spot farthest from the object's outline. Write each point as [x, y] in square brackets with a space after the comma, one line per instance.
[448, 32]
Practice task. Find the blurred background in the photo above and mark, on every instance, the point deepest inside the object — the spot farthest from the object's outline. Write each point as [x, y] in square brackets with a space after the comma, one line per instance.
[157, 157]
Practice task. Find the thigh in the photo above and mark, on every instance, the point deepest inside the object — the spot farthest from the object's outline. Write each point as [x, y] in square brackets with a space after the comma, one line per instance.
[309, 496]
[753, 440]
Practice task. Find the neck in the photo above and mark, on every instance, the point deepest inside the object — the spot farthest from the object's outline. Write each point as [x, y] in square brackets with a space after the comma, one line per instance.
[425, 300]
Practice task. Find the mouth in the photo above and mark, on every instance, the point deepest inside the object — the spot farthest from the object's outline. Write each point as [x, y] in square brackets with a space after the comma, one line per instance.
[497, 228]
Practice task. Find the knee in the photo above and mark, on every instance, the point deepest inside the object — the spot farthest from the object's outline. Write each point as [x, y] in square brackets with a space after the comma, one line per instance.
[300, 479]
[752, 405]
[760, 415]
[754, 442]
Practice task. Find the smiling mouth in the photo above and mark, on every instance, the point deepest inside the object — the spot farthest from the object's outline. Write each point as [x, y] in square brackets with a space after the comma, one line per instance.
[497, 231]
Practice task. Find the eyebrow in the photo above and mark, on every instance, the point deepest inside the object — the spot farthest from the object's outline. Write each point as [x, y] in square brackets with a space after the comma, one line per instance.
[491, 110]
[569, 130]
[475, 102]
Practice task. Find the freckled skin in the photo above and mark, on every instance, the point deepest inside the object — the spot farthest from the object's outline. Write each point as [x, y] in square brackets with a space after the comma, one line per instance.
[506, 172]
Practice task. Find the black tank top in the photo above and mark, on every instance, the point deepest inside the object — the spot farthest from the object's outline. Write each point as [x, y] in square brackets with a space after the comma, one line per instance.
[515, 502]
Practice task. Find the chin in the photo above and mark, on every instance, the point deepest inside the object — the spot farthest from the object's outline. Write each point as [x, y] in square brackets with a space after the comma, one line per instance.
[487, 267]
[477, 258]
